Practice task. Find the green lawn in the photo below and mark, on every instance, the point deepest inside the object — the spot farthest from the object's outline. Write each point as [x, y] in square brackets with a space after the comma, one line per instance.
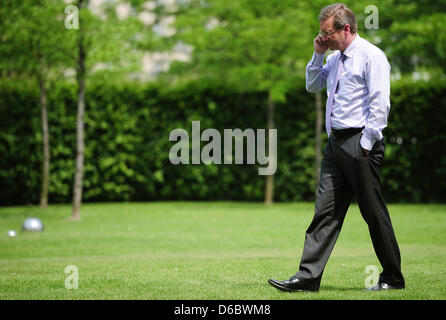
[207, 250]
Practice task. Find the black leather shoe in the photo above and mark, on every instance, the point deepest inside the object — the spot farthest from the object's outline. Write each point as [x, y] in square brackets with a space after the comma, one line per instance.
[384, 286]
[294, 285]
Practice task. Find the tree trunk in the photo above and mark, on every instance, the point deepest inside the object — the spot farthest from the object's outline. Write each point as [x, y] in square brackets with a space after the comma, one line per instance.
[80, 152]
[318, 138]
[269, 183]
[46, 144]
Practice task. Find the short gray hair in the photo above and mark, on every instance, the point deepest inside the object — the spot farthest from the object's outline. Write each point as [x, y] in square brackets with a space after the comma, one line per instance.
[342, 16]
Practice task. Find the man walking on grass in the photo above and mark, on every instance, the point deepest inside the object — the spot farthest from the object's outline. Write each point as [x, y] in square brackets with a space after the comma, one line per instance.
[357, 77]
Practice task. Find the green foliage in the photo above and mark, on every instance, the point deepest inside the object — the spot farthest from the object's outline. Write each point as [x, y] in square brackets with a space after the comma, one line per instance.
[414, 168]
[253, 45]
[409, 33]
[127, 147]
[34, 39]
[245, 51]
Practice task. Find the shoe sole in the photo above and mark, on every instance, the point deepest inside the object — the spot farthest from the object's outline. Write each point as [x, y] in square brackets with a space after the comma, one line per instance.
[390, 289]
[285, 289]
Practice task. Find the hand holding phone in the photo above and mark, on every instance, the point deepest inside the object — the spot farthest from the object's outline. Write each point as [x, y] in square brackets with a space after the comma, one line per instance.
[320, 46]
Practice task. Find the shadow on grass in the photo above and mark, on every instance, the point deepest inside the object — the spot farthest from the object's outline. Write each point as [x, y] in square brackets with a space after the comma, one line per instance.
[322, 289]
[334, 288]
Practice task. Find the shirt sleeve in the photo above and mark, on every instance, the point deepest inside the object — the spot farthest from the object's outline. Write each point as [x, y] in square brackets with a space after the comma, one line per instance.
[378, 84]
[316, 73]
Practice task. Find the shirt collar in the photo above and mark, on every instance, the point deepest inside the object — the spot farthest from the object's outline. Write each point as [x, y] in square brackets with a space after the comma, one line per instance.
[352, 46]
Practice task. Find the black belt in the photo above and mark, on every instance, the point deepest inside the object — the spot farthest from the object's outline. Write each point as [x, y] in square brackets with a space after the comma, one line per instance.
[345, 132]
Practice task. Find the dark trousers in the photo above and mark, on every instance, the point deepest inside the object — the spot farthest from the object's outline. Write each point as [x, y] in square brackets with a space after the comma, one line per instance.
[347, 171]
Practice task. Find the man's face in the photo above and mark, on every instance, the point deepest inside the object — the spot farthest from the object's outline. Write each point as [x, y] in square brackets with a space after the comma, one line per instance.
[335, 40]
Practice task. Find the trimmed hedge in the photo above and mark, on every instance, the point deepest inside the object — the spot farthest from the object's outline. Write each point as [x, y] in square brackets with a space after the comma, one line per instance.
[127, 143]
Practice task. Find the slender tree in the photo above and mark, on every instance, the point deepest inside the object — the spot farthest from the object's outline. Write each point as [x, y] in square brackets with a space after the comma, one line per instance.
[80, 144]
[250, 45]
[102, 37]
[33, 47]
[45, 136]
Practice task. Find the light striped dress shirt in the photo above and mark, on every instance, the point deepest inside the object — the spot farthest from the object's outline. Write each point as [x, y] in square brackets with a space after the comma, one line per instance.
[362, 98]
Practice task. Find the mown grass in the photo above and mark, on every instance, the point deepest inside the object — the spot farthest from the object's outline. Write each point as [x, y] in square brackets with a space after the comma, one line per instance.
[207, 250]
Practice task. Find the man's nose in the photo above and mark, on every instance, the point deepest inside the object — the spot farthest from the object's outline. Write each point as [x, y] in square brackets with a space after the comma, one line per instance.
[325, 38]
